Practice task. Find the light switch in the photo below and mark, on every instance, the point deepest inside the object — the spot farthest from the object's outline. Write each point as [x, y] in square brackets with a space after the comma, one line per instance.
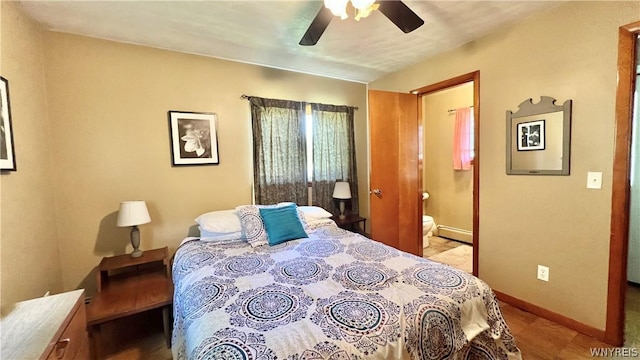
[594, 180]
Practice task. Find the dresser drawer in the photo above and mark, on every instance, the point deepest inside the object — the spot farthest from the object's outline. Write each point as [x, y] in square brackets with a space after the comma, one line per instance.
[32, 329]
[74, 342]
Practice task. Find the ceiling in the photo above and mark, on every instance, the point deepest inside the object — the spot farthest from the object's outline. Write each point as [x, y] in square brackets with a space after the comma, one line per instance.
[267, 32]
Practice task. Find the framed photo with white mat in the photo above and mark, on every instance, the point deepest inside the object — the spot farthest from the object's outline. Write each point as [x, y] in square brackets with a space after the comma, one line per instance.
[7, 150]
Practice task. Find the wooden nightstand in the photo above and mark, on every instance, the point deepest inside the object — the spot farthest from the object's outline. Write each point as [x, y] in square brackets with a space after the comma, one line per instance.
[128, 286]
[351, 223]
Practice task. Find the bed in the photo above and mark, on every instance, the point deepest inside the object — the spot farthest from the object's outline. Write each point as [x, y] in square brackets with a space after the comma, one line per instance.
[332, 295]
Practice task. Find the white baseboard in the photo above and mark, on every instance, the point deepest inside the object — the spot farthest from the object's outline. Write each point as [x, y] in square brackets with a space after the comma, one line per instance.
[449, 232]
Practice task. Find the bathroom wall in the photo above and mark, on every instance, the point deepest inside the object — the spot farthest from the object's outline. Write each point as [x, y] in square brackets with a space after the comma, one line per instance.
[450, 191]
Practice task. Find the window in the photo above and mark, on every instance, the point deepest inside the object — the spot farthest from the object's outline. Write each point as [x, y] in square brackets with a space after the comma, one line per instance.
[309, 133]
[333, 149]
[296, 143]
[279, 148]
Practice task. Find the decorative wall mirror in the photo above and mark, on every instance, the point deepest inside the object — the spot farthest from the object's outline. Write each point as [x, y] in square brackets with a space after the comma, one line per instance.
[539, 138]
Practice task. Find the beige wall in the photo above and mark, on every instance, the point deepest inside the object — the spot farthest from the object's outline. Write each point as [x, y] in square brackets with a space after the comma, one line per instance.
[97, 134]
[450, 191]
[108, 106]
[29, 233]
[567, 53]
[91, 128]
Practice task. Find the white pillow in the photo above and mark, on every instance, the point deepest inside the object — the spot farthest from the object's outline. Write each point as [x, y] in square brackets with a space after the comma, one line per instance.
[222, 221]
[219, 235]
[314, 212]
[316, 223]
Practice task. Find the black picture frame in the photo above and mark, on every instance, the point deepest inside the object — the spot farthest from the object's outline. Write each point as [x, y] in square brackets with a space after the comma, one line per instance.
[193, 138]
[531, 135]
[7, 149]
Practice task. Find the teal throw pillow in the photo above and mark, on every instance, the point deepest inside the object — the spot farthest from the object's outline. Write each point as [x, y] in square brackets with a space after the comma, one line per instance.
[282, 224]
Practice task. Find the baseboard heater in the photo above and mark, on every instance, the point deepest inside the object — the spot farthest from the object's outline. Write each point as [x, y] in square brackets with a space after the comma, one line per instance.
[453, 233]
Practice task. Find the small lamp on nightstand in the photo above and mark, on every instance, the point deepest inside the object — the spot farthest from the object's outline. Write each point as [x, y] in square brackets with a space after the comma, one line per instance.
[133, 213]
[342, 191]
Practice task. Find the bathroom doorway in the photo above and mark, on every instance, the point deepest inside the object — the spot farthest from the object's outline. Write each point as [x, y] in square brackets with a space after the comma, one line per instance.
[449, 210]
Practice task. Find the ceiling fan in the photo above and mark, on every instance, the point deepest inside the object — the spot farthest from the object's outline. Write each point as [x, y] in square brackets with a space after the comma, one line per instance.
[395, 10]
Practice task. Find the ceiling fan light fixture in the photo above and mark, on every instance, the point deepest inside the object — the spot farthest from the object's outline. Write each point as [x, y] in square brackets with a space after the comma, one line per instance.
[396, 11]
[337, 7]
[363, 13]
[362, 5]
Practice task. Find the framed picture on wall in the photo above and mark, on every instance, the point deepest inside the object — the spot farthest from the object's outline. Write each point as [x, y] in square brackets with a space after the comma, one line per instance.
[194, 139]
[531, 135]
[7, 154]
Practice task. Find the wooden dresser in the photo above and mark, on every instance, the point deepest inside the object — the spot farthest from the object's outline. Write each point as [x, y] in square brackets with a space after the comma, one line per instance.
[50, 327]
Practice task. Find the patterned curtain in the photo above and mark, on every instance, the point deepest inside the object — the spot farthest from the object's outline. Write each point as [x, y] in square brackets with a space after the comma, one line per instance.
[334, 155]
[279, 151]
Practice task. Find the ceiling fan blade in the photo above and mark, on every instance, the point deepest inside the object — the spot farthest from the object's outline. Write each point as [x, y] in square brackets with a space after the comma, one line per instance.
[400, 14]
[317, 27]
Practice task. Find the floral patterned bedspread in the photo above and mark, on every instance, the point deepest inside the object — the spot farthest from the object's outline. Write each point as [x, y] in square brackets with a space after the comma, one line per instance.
[336, 295]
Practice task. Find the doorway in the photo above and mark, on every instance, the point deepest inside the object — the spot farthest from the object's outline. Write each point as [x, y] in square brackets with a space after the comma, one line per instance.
[447, 205]
[632, 307]
[620, 221]
[454, 226]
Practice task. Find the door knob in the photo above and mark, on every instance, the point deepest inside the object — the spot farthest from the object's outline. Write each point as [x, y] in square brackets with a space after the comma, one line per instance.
[377, 192]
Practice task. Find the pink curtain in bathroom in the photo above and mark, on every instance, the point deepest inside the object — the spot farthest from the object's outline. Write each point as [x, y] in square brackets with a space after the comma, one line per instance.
[463, 139]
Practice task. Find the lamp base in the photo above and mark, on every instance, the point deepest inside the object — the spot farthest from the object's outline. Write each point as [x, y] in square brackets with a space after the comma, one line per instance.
[135, 242]
[136, 253]
[342, 216]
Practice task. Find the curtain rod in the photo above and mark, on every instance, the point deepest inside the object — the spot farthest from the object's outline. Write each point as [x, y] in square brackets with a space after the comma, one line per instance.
[454, 110]
[247, 97]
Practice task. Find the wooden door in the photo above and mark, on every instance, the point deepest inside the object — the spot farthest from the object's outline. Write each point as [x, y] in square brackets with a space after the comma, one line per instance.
[395, 198]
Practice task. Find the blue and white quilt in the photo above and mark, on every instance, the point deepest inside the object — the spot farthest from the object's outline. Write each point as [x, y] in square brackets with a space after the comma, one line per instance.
[335, 295]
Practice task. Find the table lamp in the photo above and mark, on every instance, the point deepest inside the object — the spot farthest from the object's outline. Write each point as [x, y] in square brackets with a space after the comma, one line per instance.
[342, 191]
[133, 213]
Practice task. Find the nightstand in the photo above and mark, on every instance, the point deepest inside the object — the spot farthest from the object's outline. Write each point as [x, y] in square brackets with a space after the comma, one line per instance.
[351, 222]
[128, 286]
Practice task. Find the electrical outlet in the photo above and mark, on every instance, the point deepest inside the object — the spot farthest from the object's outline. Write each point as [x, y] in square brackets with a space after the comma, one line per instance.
[543, 273]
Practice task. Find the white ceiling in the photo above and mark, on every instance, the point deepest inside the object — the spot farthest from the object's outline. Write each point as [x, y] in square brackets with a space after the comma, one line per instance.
[267, 32]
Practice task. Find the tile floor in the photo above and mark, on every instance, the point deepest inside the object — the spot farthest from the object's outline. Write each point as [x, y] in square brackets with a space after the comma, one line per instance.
[438, 245]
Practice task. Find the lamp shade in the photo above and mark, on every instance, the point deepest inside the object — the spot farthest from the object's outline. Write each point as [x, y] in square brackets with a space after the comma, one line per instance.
[342, 190]
[133, 213]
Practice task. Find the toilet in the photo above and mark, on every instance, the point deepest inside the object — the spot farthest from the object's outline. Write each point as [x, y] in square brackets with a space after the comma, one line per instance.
[428, 225]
